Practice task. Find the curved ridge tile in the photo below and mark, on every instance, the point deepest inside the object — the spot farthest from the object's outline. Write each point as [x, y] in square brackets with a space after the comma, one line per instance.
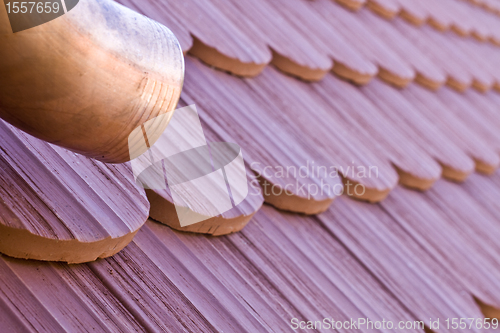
[61, 206]
[269, 139]
[456, 164]
[158, 11]
[392, 68]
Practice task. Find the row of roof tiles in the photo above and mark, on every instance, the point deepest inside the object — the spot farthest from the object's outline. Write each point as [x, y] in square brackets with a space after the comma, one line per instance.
[309, 39]
[413, 257]
[411, 136]
[491, 5]
[339, 135]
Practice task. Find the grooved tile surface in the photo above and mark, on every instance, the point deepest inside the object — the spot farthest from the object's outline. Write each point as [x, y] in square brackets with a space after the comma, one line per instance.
[58, 205]
[407, 89]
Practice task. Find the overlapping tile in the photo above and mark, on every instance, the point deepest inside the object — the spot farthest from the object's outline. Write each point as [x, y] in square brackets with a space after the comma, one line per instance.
[428, 73]
[385, 8]
[408, 258]
[267, 138]
[442, 15]
[60, 206]
[349, 63]
[216, 39]
[165, 210]
[491, 5]
[355, 261]
[463, 231]
[402, 113]
[409, 269]
[292, 51]
[392, 68]
[411, 132]
[308, 39]
[381, 134]
[486, 158]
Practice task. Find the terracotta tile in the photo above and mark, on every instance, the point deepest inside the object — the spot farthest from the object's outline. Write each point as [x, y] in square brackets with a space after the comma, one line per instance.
[61, 206]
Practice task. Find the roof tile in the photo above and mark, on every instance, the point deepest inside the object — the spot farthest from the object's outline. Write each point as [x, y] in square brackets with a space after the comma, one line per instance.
[61, 206]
